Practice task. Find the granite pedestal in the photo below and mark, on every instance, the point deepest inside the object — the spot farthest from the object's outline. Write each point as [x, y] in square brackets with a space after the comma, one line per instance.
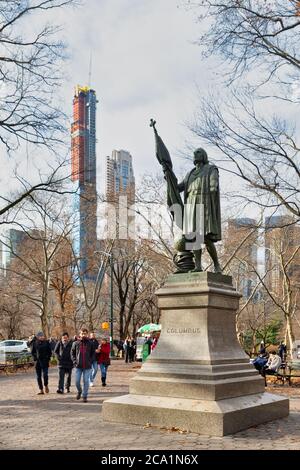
[198, 378]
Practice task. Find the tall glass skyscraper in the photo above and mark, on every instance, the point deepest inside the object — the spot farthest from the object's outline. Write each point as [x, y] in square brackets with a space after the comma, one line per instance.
[120, 183]
[119, 173]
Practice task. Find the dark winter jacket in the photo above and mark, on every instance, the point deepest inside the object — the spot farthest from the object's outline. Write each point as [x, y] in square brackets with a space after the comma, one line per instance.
[282, 351]
[82, 353]
[95, 344]
[41, 352]
[63, 354]
[53, 343]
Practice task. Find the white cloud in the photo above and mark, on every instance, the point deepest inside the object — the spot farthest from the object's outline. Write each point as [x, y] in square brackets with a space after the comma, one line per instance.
[144, 65]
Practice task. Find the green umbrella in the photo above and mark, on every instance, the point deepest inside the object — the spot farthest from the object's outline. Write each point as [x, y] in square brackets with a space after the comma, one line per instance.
[149, 328]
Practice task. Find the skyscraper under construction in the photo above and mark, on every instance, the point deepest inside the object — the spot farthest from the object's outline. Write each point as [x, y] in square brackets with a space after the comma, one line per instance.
[83, 134]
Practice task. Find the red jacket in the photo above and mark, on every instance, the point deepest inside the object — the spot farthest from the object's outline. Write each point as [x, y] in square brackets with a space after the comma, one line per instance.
[103, 357]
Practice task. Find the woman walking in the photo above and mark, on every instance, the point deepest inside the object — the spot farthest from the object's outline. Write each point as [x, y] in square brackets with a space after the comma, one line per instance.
[103, 359]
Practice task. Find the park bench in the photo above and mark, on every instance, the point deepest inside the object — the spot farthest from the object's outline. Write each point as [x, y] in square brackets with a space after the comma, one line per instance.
[286, 372]
[16, 361]
[293, 367]
[280, 374]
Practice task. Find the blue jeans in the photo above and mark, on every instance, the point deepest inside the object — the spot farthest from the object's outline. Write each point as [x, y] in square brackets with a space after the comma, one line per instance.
[86, 373]
[103, 368]
[94, 371]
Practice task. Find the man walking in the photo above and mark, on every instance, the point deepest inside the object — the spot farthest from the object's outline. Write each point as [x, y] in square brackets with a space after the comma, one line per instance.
[62, 352]
[282, 351]
[82, 355]
[128, 349]
[94, 369]
[41, 352]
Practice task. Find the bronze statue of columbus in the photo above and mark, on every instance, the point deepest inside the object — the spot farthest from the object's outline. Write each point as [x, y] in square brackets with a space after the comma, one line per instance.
[201, 192]
[200, 215]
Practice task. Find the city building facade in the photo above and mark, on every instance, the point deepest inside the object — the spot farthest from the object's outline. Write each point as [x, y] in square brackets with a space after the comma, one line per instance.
[120, 195]
[282, 264]
[243, 232]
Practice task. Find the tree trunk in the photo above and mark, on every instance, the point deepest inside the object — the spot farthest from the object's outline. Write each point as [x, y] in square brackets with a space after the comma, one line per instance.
[44, 324]
[121, 322]
[128, 320]
[253, 352]
[290, 333]
[63, 323]
[45, 302]
[91, 323]
[237, 330]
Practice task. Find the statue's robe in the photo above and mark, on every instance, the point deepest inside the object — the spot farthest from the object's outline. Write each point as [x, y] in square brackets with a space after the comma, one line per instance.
[201, 186]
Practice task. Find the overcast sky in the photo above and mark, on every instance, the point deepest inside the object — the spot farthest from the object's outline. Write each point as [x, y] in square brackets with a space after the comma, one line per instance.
[144, 64]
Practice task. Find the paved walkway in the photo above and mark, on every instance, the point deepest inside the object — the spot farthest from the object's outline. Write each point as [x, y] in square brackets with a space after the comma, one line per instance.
[53, 421]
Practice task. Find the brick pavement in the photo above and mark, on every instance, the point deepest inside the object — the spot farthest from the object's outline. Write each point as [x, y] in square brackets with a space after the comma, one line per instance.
[53, 421]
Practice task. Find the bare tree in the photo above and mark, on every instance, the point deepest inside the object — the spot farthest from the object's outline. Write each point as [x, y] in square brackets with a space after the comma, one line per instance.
[30, 72]
[279, 287]
[282, 282]
[260, 150]
[248, 34]
[258, 42]
[55, 183]
[142, 263]
[90, 291]
[150, 209]
[63, 281]
[256, 324]
[147, 310]
[36, 259]
[31, 60]
[17, 317]
[138, 271]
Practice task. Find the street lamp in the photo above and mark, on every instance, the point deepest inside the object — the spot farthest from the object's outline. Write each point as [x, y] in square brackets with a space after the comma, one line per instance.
[111, 338]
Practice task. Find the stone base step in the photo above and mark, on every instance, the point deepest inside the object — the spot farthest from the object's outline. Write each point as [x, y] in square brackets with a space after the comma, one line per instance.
[215, 418]
[196, 389]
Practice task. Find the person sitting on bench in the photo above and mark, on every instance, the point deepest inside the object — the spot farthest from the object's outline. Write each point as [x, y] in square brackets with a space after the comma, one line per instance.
[273, 364]
[260, 362]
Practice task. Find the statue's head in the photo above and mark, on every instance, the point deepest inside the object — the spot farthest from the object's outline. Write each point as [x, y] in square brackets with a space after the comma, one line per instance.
[200, 156]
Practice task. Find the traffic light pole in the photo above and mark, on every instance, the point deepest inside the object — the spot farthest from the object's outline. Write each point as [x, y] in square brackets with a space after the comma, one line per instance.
[111, 263]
